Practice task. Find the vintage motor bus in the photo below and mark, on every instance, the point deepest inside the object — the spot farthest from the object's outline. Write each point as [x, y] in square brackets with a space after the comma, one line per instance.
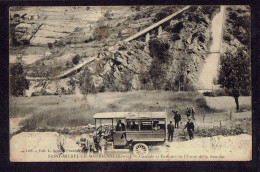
[135, 131]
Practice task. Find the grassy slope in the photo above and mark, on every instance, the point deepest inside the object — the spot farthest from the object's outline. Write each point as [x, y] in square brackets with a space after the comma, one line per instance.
[72, 110]
[52, 113]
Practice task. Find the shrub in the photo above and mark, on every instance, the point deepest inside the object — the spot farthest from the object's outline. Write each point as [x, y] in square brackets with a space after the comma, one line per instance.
[159, 49]
[50, 45]
[122, 47]
[216, 93]
[160, 16]
[90, 39]
[245, 108]
[209, 94]
[76, 59]
[176, 28]
[176, 37]
[85, 82]
[18, 82]
[101, 33]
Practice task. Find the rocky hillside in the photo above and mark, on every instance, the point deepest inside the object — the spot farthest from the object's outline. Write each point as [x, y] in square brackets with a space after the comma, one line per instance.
[237, 30]
[168, 61]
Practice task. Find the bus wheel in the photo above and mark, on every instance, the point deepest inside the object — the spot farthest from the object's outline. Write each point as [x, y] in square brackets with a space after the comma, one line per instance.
[140, 149]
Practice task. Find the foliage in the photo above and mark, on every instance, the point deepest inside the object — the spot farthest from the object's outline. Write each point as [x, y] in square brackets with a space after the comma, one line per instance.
[175, 28]
[160, 16]
[76, 59]
[159, 49]
[216, 93]
[16, 15]
[209, 10]
[101, 33]
[240, 20]
[157, 74]
[50, 45]
[235, 74]
[85, 82]
[145, 81]
[18, 82]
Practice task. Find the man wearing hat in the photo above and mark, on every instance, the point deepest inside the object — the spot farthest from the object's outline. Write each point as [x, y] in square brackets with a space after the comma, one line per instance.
[170, 128]
[190, 128]
[177, 118]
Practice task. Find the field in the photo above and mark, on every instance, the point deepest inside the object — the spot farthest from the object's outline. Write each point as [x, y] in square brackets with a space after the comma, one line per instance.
[59, 113]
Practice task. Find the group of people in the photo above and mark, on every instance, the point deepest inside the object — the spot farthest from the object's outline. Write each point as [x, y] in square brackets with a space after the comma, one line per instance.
[177, 118]
[190, 112]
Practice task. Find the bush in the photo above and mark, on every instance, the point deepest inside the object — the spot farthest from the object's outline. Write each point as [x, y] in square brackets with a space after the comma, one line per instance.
[245, 108]
[159, 49]
[90, 39]
[76, 59]
[85, 83]
[122, 47]
[101, 33]
[50, 45]
[176, 37]
[176, 28]
[209, 94]
[18, 82]
[160, 16]
[216, 93]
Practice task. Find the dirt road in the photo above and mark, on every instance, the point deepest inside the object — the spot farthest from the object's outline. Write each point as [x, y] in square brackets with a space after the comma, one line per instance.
[43, 146]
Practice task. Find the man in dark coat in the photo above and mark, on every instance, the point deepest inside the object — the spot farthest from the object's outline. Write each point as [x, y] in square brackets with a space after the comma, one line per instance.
[190, 128]
[177, 118]
[170, 128]
[188, 112]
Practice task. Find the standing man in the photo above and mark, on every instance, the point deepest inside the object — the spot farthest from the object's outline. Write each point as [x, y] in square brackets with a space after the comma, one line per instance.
[177, 118]
[192, 112]
[190, 128]
[170, 128]
[188, 112]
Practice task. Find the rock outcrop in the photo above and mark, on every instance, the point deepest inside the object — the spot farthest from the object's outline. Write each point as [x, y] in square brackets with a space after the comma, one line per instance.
[169, 60]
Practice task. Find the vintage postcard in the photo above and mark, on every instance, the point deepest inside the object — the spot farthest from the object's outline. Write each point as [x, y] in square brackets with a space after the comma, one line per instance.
[130, 83]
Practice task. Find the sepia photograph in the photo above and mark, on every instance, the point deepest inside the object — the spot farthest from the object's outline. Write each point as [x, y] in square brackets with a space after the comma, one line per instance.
[130, 83]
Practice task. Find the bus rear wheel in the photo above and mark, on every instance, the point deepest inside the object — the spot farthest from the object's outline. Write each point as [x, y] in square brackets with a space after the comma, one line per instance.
[140, 149]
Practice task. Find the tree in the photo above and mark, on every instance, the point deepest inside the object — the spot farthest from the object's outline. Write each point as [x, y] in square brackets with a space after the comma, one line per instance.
[86, 84]
[18, 82]
[235, 74]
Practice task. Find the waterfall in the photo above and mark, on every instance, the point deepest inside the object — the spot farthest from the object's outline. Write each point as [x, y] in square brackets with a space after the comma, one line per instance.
[210, 68]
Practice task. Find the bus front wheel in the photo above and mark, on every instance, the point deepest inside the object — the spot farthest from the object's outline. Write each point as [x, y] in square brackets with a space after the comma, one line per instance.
[140, 149]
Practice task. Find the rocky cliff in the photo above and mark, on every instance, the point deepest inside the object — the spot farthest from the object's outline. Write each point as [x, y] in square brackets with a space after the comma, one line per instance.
[169, 60]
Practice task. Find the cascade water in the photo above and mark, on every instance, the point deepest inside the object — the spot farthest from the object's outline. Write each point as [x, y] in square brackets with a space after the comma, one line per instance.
[210, 68]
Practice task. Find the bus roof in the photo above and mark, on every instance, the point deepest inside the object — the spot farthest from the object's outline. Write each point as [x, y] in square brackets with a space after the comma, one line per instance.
[130, 115]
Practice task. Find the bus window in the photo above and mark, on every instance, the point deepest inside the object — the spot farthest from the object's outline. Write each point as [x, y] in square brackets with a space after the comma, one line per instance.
[155, 125]
[161, 124]
[132, 125]
[146, 125]
[120, 125]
